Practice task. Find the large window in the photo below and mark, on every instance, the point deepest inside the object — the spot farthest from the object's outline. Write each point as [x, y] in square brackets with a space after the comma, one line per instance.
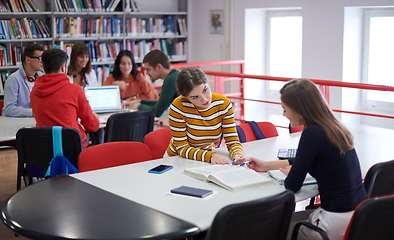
[284, 48]
[378, 57]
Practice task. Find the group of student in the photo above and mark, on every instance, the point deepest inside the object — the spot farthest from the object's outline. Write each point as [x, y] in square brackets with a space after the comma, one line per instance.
[29, 92]
[198, 118]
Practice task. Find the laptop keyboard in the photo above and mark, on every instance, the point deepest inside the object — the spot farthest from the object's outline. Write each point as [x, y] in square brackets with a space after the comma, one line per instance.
[285, 153]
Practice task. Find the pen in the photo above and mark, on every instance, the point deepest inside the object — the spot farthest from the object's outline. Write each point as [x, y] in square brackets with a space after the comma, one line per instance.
[233, 162]
[244, 163]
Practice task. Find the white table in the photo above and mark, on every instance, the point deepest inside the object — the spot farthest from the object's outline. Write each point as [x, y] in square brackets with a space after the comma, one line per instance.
[133, 182]
[10, 125]
[372, 145]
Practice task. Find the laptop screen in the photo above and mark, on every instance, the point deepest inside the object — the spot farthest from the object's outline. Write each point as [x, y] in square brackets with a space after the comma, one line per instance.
[104, 98]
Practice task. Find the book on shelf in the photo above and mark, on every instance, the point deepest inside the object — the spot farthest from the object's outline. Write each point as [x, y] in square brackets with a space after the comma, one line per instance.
[280, 177]
[231, 177]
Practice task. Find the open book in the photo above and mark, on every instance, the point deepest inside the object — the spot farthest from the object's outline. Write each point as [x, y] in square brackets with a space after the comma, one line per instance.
[280, 177]
[229, 176]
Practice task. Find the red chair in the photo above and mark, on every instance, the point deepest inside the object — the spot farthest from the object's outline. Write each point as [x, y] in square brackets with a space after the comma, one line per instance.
[372, 219]
[267, 128]
[1, 106]
[296, 129]
[113, 154]
[158, 141]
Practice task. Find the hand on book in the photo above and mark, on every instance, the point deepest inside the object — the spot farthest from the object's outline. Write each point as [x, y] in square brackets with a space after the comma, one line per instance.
[218, 159]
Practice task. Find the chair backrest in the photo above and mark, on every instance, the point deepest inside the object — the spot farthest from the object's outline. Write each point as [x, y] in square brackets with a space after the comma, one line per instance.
[113, 154]
[158, 141]
[372, 219]
[35, 148]
[296, 129]
[268, 129]
[379, 180]
[266, 218]
[129, 126]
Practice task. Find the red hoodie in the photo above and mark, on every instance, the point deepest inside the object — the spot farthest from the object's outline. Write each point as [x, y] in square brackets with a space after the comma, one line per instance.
[57, 102]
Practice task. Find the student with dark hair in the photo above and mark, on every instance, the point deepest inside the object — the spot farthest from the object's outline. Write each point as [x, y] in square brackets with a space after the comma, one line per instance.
[18, 85]
[80, 72]
[57, 102]
[326, 151]
[80, 66]
[157, 66]
[130, 81]
[199, 118]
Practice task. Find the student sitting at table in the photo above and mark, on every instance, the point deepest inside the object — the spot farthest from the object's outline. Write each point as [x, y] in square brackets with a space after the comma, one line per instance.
[157, 66]
[57, 102]
[80, 72]
[80, 67]
[199, 118]
[326, 151]
[131, 82]
[19, 84]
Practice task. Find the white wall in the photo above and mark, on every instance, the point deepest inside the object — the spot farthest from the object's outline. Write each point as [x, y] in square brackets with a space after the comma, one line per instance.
[323, 36]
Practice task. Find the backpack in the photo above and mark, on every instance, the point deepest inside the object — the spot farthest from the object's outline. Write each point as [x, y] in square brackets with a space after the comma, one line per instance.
[59, 164]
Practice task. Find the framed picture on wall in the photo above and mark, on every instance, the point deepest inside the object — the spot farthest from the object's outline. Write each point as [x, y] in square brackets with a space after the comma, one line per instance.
[217, 20]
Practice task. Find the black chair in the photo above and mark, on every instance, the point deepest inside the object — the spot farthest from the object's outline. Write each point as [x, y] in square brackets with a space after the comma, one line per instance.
[372, 219]
[266, 218]
[129, 126]
[35, 151]
[379, 180]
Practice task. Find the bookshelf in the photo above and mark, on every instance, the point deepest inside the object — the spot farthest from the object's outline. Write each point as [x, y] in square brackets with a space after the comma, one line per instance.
[106, 26]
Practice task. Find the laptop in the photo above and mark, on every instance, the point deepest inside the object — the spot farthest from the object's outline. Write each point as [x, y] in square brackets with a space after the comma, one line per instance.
[104, 99]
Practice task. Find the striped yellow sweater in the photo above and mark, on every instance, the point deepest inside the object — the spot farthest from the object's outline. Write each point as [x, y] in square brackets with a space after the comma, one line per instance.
[195, 130]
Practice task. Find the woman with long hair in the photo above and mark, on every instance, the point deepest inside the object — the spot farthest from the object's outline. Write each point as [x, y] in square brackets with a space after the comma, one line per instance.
[326, 151]
[199, 118]
[80, 66]
[131, 82]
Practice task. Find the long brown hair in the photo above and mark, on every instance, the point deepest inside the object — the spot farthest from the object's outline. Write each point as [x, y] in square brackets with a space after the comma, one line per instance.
[78, 49]
[303, 97]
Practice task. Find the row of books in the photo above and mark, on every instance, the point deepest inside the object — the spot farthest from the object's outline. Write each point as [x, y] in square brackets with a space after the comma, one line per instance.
[102, 73]
[70, 27]
[18, 6]
[12, 55]
[165, 26]
[24, 28]
[95, 5]
[174, 49]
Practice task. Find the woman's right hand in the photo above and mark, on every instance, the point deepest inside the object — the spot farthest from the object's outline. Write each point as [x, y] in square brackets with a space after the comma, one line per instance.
[257, 164]
[218, 159]
[121, 84]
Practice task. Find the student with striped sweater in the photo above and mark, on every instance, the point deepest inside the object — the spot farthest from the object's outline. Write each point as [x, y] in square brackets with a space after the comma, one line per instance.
[199, 118]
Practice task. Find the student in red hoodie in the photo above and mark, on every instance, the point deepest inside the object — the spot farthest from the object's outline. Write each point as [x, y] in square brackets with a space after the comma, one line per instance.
[57, 102]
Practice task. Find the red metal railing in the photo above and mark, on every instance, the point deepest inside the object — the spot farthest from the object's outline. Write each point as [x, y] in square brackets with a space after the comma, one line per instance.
[324, 86]
[221, 77]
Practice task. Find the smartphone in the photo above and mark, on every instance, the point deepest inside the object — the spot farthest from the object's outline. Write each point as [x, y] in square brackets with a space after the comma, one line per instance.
[160, 169]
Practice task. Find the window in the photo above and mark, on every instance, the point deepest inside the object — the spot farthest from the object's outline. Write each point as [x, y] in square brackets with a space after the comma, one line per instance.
[284, 48]
[378, 57]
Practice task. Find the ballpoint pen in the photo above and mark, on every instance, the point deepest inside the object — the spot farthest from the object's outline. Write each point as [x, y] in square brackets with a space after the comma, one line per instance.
[244, 163]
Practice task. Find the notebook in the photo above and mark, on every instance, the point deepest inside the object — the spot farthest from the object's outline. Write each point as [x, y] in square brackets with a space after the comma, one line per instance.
[104, 99]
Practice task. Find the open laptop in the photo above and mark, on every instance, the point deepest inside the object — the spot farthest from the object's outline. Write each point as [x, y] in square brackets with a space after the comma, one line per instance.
[104, 99]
